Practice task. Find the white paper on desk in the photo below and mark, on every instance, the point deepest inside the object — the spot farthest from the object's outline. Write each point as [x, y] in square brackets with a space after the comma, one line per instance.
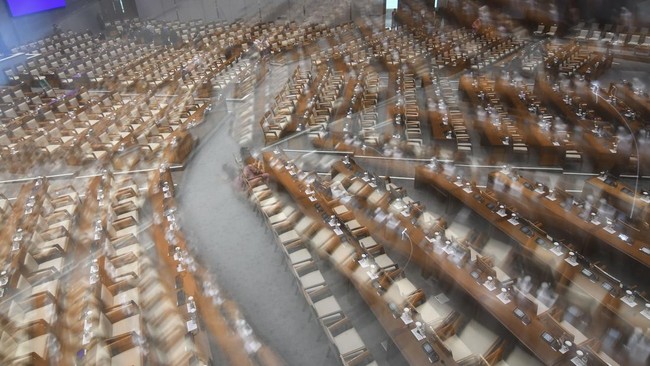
[557, 251]
[513, 222]
[380, 217]
[460, 184]
[555, 143]
[573, 263]
[645, 250]
[338, 231]
[502, 214]
[596, 222]
[628, 302]
[373, 185]
[252, 346]
[550, 198]
[419, 336]
[373, 276]
[312, 198]
[467, 190]
[503, 298]
[364, 263]
[577, 361]
[489, 286]
[405, 213]
[610, 230]
[646, 313]
[406, 318]
[191, 325]
[539, 190]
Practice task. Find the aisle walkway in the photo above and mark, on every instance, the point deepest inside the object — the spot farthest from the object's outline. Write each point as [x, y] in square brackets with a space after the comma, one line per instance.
[233, 243]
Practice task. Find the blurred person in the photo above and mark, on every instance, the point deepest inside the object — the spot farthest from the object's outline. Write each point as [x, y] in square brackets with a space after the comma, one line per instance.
[4, 50]
[638, 347]
[626, 17]
[254, 173]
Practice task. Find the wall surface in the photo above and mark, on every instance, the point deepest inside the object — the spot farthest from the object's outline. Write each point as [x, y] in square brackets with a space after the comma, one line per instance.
[207, 10]
[78, 15]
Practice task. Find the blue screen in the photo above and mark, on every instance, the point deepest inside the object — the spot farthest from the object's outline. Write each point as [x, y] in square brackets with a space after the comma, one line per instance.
[24, 7]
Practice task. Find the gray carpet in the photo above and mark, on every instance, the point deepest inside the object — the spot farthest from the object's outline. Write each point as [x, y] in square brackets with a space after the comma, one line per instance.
[233, 243]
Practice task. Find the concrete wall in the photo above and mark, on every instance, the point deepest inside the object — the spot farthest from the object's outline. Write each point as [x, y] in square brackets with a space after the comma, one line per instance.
[78, 15]
[208, 10]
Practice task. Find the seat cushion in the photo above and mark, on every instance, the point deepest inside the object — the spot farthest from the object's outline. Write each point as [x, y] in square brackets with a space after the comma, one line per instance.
[349, 342]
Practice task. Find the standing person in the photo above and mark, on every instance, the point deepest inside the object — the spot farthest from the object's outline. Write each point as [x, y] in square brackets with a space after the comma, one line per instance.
[4, 50]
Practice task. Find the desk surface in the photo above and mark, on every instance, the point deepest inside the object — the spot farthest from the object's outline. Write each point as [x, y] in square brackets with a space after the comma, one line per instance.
[538, 246]
[426, 257]
[556, 215]
[408, 345]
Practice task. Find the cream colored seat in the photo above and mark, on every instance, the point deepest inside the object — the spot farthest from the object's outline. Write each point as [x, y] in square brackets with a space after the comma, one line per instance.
[432, 312]
[474, 338]
[519, 357]
[399, 291]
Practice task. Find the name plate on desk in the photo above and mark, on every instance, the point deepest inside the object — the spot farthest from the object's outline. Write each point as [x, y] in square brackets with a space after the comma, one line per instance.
[380, 217]
[578, 361]
[191, 325]
[489, 286]
[645, 250]
[572, 262]
[419, 336]
[504, 298]
[628, 302]
[406, 318]
[513, 222]
[252, 346]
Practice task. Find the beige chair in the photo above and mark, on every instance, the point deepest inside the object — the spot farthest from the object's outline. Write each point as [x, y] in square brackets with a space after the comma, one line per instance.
[519, 357]
[324, 241]
[310, 279]
[432, 312]
[302, 229]
[346, 340]
[497, 250]
[473, 339]
[325, 306]
[399, 291]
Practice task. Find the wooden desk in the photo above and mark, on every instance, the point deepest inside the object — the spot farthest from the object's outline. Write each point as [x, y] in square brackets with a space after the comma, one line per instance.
[424, 255]
[219, 322]
[401, 335]
[620, 196]
[537, 245]
[538, 206]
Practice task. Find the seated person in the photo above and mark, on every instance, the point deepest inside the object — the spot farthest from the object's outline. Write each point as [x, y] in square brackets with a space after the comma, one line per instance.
[254, 173]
